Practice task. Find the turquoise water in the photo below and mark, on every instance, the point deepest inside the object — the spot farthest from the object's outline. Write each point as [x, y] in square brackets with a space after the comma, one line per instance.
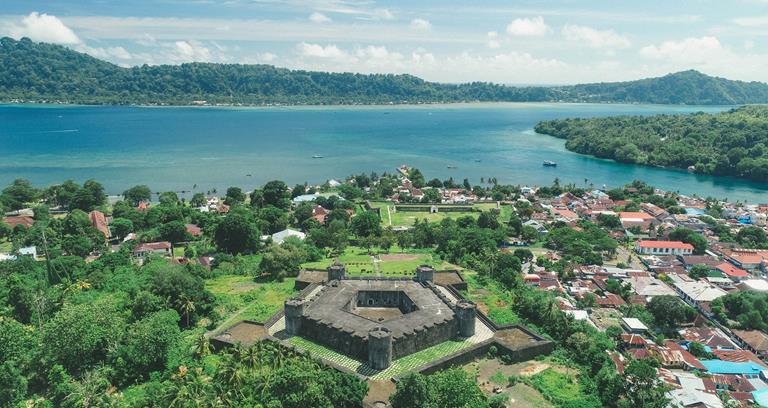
[176, 148]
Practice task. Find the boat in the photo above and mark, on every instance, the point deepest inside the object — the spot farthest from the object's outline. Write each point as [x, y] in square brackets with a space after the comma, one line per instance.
[549, 163]
[317, 156]
[450, 166]
[477, 160]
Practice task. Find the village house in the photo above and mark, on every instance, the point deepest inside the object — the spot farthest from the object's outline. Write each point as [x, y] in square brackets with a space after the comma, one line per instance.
[159, 248]
[99, 221]
[645, 247]
[753, 340]
[23, 220]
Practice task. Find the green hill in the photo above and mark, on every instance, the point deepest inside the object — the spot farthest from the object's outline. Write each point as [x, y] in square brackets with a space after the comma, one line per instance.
[731, 143]
[39, 72]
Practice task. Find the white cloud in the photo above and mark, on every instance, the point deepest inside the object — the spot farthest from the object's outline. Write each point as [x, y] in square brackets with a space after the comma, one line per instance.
[600, 39]
[188, 51]
[319, 18]
[319, 51]
[751, 21]
[420, 24]
[266, 56]
[105, 52]
[44, 28]
[690, 50]
[493, 41]
[528, 27]
[382, 13]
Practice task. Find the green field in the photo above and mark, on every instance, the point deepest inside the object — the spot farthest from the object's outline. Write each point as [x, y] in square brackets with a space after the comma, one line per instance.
[407, 218]
[492, 299]
[359, 262]
[240, 298]
[558, 388]
[400, 366]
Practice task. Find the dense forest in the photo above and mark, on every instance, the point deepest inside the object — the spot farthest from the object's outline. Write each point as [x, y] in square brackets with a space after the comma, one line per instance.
[41, 72]
[731, 143]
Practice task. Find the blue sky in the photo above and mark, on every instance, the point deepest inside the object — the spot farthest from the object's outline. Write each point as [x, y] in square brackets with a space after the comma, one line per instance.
[516, 42]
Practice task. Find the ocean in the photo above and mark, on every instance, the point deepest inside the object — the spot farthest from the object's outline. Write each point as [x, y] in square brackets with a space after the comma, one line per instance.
[206, 148]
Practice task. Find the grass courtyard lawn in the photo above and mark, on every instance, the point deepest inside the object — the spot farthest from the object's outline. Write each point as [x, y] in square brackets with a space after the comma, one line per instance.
[407, 218]
[400, 366]
[240, 298]
[395, 263]
[491, 299]
[405, 264]
[558, 387]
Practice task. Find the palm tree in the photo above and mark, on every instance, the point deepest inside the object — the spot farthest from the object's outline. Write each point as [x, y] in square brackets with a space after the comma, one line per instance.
[202, 346]
[187, 308]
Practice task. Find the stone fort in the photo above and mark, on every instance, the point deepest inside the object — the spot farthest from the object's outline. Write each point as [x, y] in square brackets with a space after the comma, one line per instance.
[378, 320]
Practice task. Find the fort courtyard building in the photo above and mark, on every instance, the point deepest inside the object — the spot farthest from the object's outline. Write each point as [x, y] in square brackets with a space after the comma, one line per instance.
[380, 320]
[366, 325]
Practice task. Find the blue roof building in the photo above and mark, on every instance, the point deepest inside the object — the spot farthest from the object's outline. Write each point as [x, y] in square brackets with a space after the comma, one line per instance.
[748, 368]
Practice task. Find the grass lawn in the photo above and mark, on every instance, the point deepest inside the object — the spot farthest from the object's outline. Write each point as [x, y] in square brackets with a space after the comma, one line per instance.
[6, 246]
[407, 218]
[240, 298]
[492, 299]
[557, 387]
[395, 263]
[400, 366]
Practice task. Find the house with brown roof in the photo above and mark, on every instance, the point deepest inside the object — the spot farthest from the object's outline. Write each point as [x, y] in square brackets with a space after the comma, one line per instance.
[23, 220]
[99, 221]
[709, 336]
[753, 340]
[159, 248]
[193, 230]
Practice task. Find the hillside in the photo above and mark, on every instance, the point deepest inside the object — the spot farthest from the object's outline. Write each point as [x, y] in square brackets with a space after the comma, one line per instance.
[38, 72]
[731, 143]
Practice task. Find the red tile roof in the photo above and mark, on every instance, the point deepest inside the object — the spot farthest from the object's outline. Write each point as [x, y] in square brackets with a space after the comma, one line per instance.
[635, 214]
[731, 270]
[193, 230]
[20, 220]
[99, 221]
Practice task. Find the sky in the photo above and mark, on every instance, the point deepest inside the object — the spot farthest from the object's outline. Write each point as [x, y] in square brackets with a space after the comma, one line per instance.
[511, 42]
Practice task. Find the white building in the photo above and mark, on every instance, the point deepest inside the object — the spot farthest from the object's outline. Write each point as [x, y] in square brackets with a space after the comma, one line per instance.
[663, 248]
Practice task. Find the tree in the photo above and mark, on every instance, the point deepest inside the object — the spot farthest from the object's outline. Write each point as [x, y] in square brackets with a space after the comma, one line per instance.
[137, 194]
[699, 271]
[451, 388]
[366, 224]
[642, 387]
[282, 260]
[18, 194]
[168, 198]
[529, 234]
[237, 233]
[77, 245]
[689, 236]
[174, 231]
[669, 311]
[121, 227]
[488, 220]
[234, 196]
[80, 336]
[524, 254]
[276, 193]
[147, 344]
[197, 200]
[431, 195]
[608, 221]
[413, 390]
[181, 290]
